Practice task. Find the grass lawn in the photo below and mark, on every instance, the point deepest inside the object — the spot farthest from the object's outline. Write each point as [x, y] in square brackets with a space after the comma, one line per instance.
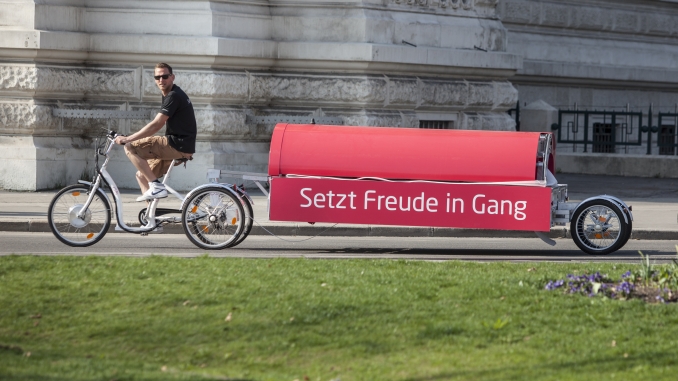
[158, 318]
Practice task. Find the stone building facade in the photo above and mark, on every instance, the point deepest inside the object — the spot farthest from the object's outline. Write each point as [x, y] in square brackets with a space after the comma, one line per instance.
[599, 54]
[402, 63]
[368, 62]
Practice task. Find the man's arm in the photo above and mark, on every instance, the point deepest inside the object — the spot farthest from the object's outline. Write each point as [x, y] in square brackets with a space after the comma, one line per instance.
[150, 129]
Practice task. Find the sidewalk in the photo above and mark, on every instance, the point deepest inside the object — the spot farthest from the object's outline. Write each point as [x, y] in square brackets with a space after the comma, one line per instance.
[654, 202]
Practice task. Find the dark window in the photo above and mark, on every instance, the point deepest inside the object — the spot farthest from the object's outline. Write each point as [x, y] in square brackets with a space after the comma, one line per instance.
[603, 138]
[436, 124]
[666, 140]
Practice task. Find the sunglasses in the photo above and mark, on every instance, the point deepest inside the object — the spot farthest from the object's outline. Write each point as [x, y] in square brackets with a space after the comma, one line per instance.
[164, 76]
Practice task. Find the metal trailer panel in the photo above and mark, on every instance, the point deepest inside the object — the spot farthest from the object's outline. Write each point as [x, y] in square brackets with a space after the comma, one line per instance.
[449, 205]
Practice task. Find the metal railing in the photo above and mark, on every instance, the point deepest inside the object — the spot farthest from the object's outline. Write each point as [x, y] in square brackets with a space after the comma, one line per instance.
[667, 127]
[608, 131]
[515, 114]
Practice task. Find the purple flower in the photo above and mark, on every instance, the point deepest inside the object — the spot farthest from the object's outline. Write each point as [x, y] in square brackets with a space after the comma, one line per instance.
[587, 283]
[625, 287]
[553, 285]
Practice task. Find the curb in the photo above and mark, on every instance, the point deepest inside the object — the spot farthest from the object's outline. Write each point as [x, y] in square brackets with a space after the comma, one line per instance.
[361, 231]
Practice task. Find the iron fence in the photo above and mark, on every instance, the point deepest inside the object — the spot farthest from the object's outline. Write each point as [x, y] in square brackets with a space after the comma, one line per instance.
[515, 114]
[667, 127]
[618, 131]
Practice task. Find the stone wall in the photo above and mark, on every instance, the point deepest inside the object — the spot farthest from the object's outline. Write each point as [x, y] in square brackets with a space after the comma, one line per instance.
[370, 62]
[223, 98]
[598, 54]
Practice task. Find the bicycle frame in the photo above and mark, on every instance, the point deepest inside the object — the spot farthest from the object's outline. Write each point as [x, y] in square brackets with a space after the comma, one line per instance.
[102, 173]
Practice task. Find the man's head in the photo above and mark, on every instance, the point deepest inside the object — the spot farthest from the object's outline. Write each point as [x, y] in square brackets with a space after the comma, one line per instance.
[163, 77]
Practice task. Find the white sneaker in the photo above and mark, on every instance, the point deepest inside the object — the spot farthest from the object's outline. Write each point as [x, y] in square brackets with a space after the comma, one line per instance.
[155, 190]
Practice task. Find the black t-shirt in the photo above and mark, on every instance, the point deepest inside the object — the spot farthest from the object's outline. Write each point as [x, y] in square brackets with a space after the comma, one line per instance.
[181, 125]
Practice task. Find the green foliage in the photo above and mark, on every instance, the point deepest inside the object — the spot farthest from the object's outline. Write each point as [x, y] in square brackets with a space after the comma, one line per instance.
[497, 325]
[646, 271]
[663, 278]
[648, 282]
[161, 318]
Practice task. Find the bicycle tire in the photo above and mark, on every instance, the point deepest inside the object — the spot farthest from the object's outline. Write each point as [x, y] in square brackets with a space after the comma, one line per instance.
[598, 227]
[71, 230]
[213, 218]
[249, 221]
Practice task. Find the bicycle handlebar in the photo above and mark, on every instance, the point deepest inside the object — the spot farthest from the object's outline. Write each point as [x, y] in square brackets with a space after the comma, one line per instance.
[105, 149]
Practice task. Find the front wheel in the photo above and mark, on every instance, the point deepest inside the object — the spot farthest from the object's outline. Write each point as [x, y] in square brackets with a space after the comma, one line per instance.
[213, 218]
[72, 229]
[598, 227]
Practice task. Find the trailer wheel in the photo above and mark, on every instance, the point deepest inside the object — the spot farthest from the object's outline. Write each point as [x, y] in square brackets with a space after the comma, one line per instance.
[598, 227]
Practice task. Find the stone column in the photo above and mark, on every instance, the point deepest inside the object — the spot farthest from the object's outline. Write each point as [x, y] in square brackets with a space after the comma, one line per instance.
[538, 116]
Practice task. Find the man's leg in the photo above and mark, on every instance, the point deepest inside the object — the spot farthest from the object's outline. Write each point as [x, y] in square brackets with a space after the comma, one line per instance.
[145, 156]
[141, 179]
[152, 157]
[145, 173]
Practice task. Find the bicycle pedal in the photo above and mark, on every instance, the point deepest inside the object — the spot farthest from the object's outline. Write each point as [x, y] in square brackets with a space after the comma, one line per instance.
[118, 228]
[143, 234]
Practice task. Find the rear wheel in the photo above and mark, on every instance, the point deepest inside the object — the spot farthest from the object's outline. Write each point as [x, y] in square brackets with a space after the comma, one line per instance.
[598, 227]
[213, 218]
[249, 220]
[71, 229]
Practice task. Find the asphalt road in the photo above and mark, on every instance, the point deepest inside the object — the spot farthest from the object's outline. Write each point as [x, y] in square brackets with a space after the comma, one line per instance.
[471, 249]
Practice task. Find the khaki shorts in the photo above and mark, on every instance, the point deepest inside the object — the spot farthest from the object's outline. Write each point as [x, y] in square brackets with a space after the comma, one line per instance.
[157, 152]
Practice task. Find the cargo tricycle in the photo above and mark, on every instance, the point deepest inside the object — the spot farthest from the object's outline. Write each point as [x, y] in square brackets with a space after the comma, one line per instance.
[369, 175]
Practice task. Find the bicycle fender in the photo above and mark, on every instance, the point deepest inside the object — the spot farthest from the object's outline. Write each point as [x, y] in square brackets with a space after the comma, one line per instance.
[615, 200]
[247, 196]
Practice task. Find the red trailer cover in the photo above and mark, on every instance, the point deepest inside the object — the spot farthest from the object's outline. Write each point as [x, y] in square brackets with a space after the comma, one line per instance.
[403, 153]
